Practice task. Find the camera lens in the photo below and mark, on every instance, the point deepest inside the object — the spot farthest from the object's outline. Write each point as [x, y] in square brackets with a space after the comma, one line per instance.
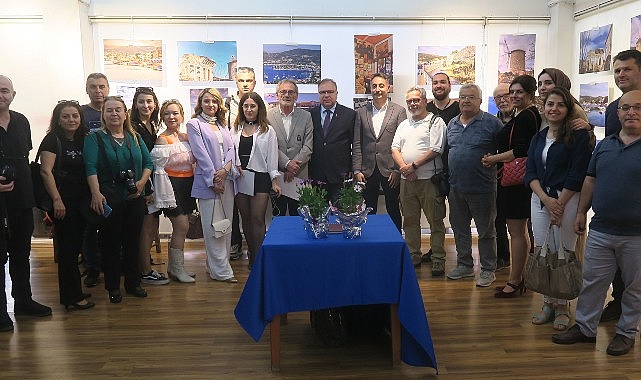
[8, 172]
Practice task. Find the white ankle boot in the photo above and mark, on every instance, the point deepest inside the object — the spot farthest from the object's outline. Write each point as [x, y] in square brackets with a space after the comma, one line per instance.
[176, 269]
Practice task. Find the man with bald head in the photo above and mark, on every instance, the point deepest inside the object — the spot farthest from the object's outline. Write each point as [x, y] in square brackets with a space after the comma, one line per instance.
[611, 189]
[16, 202]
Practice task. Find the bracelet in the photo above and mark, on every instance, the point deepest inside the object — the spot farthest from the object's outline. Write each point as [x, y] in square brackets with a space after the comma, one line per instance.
[414, 166]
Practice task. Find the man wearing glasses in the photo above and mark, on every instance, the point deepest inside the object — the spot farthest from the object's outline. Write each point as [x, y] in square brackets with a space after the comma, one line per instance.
[295, 133]
[417, 147]
[470, 136]
[611, 190]
[331, 161]
[374, 131]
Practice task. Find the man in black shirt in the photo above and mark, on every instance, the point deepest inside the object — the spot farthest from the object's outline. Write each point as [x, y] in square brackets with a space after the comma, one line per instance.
[16, 202]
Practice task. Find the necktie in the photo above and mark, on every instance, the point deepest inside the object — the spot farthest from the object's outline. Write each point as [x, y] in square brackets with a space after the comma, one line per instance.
[328, 119]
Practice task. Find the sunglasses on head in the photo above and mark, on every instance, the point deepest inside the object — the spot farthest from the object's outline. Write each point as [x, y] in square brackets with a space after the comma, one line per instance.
[145, 89]
[68, 101]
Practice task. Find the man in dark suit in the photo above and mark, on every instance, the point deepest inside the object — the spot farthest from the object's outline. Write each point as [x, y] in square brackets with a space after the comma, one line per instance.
[331, 160]
[372, 160]
[294, 130]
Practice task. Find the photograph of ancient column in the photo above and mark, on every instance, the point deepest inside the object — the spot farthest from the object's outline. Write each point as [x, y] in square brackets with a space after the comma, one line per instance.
[595, 52]
[204, 62]
[372, 54]
[516, 56]
[302, 63]
[133, 61]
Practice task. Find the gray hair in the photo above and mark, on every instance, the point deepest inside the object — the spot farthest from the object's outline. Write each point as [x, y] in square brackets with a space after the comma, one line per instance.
[328, 80]
[418, 89]
[287, 80]
[474, 86]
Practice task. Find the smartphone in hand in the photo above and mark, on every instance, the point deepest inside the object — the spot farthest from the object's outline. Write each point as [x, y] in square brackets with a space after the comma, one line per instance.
[107, 210]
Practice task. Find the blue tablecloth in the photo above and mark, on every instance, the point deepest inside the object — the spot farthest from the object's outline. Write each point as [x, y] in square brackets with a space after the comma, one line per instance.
[294, 272]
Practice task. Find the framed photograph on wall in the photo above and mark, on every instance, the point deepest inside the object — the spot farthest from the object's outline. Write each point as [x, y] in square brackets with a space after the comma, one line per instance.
[133, 61]
[302, 63]
[595, 50]
[516, 56]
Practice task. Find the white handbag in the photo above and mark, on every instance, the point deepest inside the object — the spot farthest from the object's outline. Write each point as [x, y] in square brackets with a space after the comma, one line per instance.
[219, 221]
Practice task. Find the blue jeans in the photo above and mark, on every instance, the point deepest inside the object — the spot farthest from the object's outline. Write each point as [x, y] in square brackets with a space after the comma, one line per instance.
[481, 207]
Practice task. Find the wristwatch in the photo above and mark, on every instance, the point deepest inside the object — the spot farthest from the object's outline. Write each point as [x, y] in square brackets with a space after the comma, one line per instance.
[414, 166]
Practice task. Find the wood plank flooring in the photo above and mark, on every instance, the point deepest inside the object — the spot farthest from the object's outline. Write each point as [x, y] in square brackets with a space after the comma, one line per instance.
[188, 331]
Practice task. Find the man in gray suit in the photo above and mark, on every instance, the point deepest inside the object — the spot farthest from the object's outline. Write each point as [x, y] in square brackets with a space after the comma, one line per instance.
[295, 131]
[372, 160]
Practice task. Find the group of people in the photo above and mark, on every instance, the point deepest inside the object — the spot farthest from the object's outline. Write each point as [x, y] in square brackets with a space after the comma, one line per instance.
[237, 154]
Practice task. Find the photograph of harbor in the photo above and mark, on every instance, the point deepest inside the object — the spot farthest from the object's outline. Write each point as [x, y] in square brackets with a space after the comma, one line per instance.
[138, 61]
[301, 63]
[594, 99]
[516, 56]
[456, 61]
[306, 100]
[207, 61]
[372, 54]
[595, 50]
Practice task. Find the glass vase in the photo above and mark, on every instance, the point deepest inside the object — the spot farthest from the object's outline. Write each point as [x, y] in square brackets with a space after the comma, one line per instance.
[316, 227]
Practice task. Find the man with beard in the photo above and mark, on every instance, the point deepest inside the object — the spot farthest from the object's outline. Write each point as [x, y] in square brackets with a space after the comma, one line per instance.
[416, 149]
[372, 159]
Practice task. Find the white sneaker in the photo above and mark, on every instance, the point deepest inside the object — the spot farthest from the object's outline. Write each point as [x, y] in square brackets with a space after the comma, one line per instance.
[461, 271]
[485, 278]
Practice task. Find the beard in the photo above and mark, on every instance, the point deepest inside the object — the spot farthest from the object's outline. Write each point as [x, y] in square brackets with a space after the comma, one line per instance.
[442, 96]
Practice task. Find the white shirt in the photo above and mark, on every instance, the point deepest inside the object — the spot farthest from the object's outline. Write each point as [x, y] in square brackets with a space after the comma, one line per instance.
[413, 139]
[287, 121]
[377, 118]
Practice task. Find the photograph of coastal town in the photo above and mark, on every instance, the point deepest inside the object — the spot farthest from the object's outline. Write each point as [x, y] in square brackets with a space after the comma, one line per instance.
[595, 50]
[306, 100]
[594, 99]
[193, 97]
[372, 54]
[301, 63]
[516, 56]
[138, 61]
[635, 33]
[361, 102]
[456, 61]
[206, 61]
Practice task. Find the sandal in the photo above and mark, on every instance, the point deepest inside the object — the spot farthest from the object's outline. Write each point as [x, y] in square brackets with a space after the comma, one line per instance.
[544, 316]
[561, 320]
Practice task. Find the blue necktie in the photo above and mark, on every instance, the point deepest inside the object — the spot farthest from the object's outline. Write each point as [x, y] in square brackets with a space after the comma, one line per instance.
[328, 119]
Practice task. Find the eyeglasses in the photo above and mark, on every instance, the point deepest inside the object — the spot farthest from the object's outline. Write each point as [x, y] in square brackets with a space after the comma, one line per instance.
[413, 101]
[467, 97]
[287, 92]
[145, 89]
[627, 108]
[499, 98]
[68, 101]
[327, 92]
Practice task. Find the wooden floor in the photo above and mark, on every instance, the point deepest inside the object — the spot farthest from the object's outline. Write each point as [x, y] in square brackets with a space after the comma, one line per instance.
[188, 331]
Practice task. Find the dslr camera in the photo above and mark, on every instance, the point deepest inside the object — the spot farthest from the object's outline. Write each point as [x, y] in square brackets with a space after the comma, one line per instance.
[8, 172]
[127, 177]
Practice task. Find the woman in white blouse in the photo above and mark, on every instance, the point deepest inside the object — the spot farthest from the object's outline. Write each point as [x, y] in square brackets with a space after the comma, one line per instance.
[257, 148]
[173, 179]
[214, 186]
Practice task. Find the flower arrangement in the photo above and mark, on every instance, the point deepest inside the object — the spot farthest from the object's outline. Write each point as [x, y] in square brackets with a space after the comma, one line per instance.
[350, 197]
[314, 197]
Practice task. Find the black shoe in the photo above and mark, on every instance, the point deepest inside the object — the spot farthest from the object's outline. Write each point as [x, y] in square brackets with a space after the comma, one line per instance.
[115, 296]
[31, 308]
[611, 312]
[6, 324]
[620, 345]
[80, 306]
[137, 292]
[92, 278]
[426, 258]
[573, 335]
[86, 295]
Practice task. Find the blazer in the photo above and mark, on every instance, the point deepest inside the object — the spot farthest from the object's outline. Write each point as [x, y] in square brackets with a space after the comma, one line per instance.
[299, 144]
[263, 157]
[370, 150]
[331, 160]
[206, 150]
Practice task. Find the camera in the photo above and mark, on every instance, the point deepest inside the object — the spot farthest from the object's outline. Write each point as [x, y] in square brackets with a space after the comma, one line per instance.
[8, 172]
[442, 181]
[127, 177]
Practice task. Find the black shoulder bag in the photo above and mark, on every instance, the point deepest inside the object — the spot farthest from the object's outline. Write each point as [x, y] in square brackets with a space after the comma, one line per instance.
[42, 198]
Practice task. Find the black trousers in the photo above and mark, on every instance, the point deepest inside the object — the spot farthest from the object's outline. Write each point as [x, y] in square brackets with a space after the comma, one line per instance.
[371, 193]
[236, 236]
[15, 247]
[286, 206]
[118, 234]
[69, 234]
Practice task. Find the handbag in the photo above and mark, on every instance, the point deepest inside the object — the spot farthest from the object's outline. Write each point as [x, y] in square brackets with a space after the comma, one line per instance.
[554, 272]
[513, 172]
[41, 196]
[195, 230]
[219, 221]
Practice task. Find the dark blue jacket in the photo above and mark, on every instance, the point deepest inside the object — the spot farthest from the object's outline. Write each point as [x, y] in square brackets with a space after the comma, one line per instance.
[565, 166]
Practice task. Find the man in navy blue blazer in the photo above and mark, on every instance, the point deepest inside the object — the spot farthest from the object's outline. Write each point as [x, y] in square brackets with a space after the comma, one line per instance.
[331, 160]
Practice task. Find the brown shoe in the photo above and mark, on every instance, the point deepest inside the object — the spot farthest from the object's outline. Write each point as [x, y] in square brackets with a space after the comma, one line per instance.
[573, 335]
[438, 268]
[620, 345]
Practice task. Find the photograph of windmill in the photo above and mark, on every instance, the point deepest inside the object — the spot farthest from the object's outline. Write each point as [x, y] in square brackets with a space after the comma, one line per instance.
[516, 56]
